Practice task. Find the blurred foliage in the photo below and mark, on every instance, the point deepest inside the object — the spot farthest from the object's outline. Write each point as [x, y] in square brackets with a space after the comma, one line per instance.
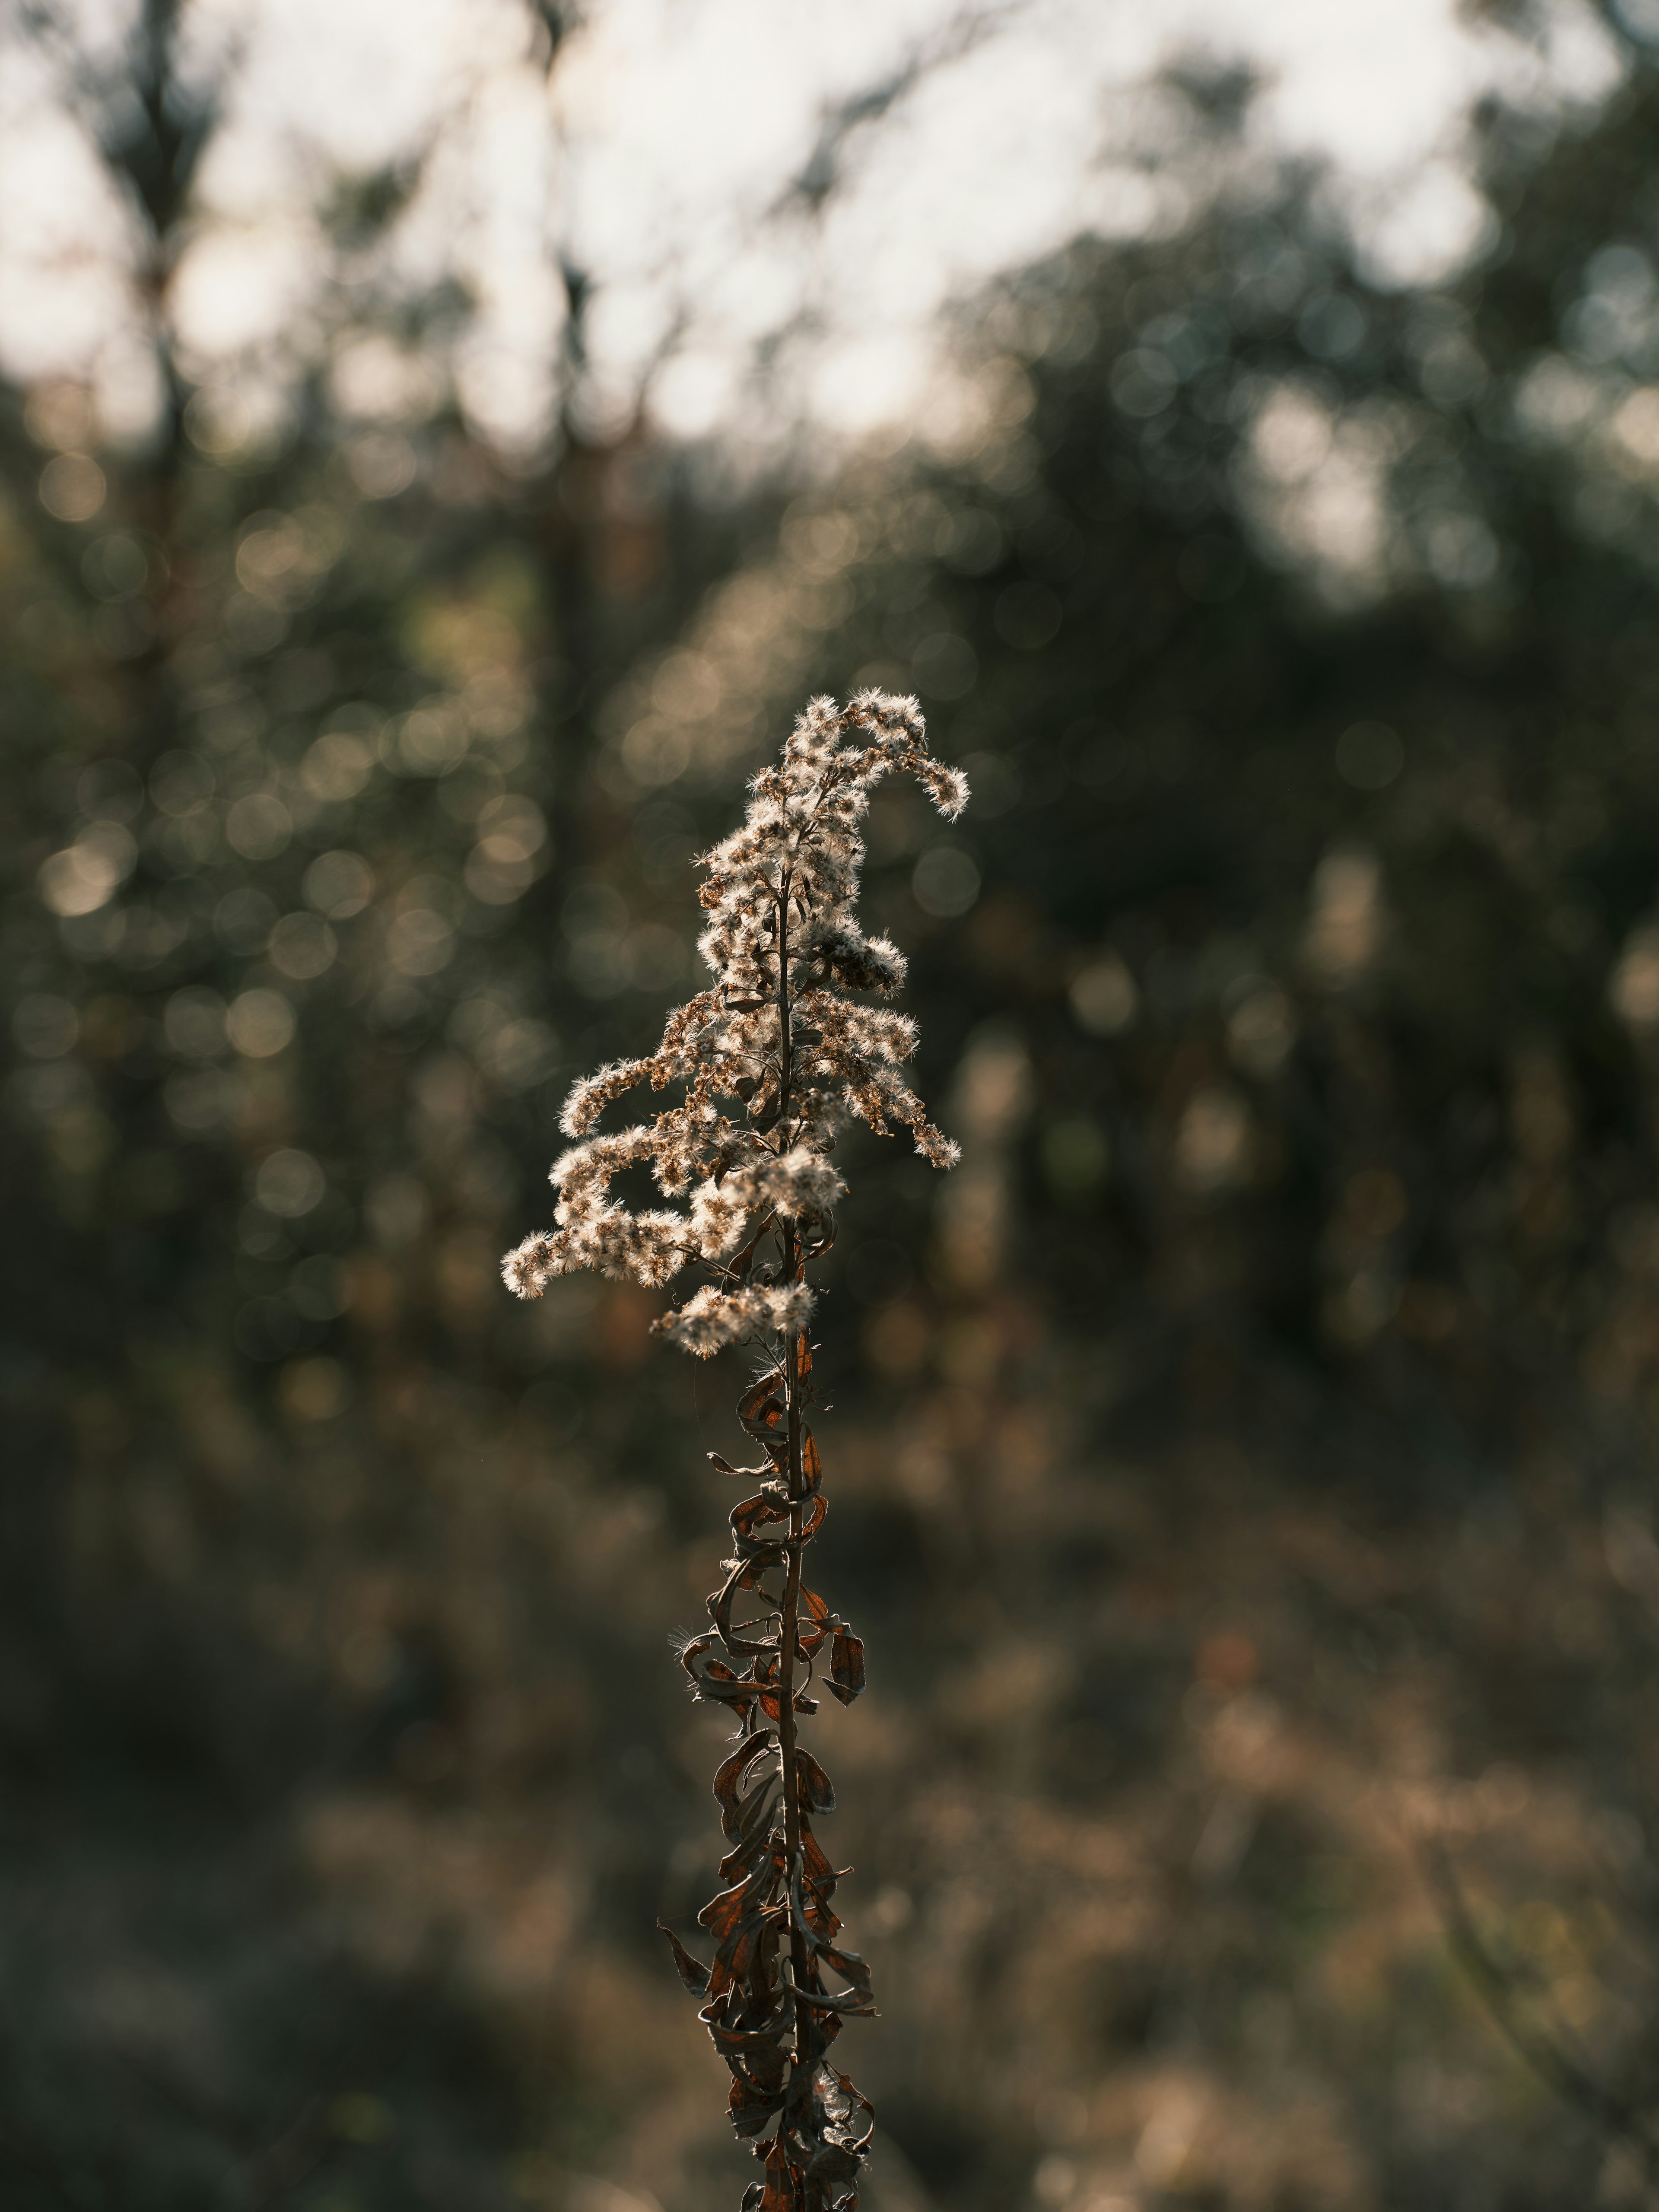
[1259, 1423]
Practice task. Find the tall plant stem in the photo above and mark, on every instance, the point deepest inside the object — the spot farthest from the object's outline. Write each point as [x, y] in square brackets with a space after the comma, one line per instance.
[794, 1267]
[787, 1630]
[772, 2015]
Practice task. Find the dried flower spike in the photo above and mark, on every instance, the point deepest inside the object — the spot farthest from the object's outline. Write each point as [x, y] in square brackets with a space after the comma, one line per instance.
[773, 1059]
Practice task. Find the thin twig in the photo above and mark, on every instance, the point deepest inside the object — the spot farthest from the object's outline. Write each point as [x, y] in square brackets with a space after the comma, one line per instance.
[1616, 2118]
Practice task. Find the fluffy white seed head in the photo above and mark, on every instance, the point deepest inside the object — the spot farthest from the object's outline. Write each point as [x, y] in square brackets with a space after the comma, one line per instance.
[758, 1112]
[714, 1318]
[799, 1184]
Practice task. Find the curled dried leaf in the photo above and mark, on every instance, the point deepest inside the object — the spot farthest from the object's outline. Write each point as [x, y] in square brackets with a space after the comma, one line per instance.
[760, 1408]
[846, 1666]
[818, 1789]
[692, 1972]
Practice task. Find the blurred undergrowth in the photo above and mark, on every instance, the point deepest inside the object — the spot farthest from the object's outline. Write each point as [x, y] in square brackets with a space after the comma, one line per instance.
[1276, 1374]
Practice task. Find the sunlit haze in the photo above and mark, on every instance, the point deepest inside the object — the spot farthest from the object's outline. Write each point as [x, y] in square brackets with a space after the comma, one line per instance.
[739, 182]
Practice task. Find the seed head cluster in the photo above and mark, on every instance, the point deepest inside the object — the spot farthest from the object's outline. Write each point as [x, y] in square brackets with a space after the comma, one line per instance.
[774, 1055]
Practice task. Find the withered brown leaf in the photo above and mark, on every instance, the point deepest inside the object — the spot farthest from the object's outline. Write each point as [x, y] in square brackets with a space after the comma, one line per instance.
[694, 1977]
[846, 1666]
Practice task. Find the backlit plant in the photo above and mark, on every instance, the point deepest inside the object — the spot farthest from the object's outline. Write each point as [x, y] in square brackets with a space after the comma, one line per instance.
[771, 1062]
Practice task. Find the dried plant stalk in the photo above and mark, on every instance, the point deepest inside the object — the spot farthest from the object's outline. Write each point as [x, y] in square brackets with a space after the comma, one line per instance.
[780, 1034]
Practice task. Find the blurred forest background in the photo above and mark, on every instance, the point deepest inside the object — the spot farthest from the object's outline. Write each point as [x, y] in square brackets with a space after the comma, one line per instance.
[1241, 1469]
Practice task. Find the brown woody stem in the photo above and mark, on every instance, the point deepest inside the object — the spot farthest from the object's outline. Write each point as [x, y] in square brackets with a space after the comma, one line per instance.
[794, 1267]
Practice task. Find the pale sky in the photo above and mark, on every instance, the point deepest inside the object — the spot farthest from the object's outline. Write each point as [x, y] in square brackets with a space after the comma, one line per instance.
[660, 160]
